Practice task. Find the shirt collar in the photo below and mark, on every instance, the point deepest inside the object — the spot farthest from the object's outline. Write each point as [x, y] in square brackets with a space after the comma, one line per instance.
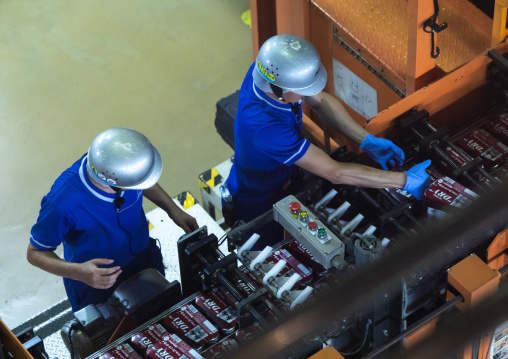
[264, 97]
[108, 197]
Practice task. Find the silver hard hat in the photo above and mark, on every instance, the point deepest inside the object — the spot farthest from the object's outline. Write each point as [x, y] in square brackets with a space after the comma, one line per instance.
[290, 63]
[124, 158]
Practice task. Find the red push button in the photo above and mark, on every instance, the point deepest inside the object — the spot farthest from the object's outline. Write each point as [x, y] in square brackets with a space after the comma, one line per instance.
[312, 226]
[294, 207]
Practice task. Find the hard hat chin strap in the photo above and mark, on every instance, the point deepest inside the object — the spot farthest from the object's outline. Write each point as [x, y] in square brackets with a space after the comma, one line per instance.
[295, 106]
[277, 91]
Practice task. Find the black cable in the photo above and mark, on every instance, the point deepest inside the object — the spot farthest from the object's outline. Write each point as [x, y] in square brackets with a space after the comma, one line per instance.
[70, 340]
[128, 233]
[367, 327]
[295, 107]
[118, 202]
[223, 238]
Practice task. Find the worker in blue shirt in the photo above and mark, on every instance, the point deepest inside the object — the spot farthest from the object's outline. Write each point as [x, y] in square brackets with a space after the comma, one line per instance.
[95, 209]
[268, 139]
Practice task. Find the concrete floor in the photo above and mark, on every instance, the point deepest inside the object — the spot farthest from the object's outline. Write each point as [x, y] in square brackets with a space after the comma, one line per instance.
[71, 69]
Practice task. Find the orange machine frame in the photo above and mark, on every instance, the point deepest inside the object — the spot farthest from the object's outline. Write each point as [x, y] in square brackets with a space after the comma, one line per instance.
[496, 253]
[307, 19]
[436, 97]
[12, 343]
[475, 280]
[427, 88]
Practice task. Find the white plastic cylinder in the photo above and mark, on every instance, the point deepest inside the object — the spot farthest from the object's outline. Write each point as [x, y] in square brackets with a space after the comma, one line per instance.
[352, 225]
[248, 244]
[339, 212]
[385, 242]
[288, 285]
[325, 200]
[261, 257]
[274, 271]
[370, 231]
[302, 297]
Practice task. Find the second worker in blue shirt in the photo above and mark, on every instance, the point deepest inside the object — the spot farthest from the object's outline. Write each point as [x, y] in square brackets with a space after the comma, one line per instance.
[268, 139]
[95, 209]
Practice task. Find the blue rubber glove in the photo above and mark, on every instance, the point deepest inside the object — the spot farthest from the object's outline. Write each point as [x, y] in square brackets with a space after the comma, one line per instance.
[417, 179]
[383, 151]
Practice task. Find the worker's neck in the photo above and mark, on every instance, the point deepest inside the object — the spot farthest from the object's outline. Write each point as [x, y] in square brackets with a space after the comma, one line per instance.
[288, 97]
[100, 186]
[273, 97]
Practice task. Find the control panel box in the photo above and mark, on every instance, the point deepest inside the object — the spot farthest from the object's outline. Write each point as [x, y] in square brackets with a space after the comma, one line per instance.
[307, 229]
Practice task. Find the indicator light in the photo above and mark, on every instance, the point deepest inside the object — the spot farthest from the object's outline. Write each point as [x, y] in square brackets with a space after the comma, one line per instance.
[304, 217]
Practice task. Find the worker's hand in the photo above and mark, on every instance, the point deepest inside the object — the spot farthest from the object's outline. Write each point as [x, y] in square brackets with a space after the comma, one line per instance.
[417, 179]
[100, 278]
[184, 221]
[383, 151]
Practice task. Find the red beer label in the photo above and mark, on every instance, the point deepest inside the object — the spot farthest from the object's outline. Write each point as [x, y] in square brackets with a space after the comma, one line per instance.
[481, 143]
[244, 288]
[458, 159]
[174, 341]
[446, 192]
[294, 264]
[163, 350]
[499, 128]
[304, 256]
[215, 304]
[122, 351]
[144, 339]
[494, 142]
[189, 322]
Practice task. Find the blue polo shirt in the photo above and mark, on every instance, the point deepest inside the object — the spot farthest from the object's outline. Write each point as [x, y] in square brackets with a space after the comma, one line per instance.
[268, 141]
[82, 217]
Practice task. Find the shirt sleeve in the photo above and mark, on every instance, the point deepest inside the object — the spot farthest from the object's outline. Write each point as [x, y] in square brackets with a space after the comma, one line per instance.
[281, 142]
[51, 227]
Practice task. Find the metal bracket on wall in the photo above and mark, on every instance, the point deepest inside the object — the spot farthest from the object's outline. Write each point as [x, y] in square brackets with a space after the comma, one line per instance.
[432, 27]
[367, 64]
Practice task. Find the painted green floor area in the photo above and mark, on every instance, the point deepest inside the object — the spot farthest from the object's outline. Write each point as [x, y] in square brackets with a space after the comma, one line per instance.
[70, 70]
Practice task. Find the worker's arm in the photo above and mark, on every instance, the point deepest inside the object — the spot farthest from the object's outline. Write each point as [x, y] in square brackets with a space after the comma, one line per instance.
[160, 198]
[330, 110]
[89, 272]
[316, 161]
